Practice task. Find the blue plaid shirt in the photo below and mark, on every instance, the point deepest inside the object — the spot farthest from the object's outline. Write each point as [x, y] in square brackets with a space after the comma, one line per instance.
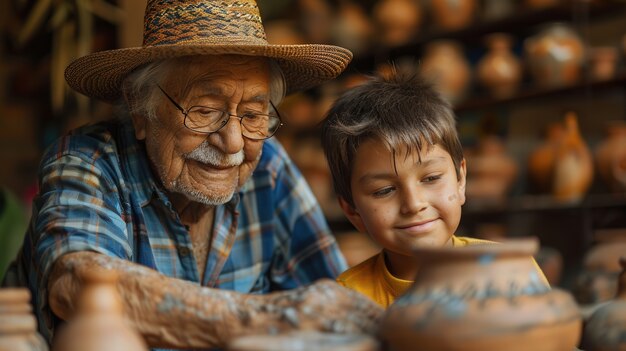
[97, 192]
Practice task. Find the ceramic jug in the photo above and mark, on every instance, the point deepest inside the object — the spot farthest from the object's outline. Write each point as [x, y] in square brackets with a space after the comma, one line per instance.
[605, 329]
[304, 341]
[397, 21]
[444, 64]
[610, 156]
[500, 71]
[18, 326]
[481, 297]
[555, 56]
[99, 323]
[597, 281]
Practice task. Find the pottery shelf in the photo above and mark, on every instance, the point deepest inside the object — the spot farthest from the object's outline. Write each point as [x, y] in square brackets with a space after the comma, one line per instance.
[521, 22]
[527, 203]
[584, 86]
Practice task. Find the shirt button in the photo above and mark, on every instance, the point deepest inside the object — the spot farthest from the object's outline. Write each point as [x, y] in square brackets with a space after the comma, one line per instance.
[184, 251]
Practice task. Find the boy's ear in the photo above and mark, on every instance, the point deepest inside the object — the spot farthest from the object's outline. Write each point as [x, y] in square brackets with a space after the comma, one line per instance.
[462, 180]
[353, 215]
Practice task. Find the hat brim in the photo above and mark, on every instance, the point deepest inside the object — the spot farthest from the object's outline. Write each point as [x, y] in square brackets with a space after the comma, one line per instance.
[100, 75]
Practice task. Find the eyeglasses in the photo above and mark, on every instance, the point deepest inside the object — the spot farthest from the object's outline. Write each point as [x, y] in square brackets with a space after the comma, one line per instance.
[207, 120]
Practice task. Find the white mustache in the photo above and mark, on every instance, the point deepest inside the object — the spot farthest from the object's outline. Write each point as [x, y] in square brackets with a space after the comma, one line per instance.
[207, 154]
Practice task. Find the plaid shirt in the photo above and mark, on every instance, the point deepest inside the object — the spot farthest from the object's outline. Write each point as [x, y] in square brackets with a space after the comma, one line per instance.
[97, 192]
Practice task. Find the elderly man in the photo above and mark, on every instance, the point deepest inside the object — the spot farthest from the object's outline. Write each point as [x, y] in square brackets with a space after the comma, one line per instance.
[186, 196]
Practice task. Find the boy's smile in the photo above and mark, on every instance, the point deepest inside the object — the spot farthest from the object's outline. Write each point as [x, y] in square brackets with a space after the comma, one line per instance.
[405, 201]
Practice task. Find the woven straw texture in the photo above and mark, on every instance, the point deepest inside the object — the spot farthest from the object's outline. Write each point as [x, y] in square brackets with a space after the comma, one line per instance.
[175, 28]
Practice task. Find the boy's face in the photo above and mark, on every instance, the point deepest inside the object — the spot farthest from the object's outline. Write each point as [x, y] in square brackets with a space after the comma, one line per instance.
[415, 204]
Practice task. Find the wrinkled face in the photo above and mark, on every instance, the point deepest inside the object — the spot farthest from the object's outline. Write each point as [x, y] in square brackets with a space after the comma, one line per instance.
[206, 168]
[417, 204]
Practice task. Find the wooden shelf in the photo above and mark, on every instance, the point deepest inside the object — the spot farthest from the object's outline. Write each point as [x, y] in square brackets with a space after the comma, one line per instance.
[482, 102]
[522, 22]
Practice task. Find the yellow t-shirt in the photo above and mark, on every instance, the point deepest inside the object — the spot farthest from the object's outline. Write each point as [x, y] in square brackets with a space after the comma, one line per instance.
[371, 277]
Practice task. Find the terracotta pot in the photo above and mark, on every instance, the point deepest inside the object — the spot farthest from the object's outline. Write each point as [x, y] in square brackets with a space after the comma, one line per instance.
[500, 71]
[573, 168]
[99, 322]
[597, 282]
[481, 297]
[555, 56]
[453, 14]
[541, 159]
[304, 341]
[606, 327]
[18, 326]
[610, 156]
[445, 65]
[491, 171]
[397, 21]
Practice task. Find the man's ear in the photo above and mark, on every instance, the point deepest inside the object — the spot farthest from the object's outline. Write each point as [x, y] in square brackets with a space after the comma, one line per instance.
[353, 215]
[462, 180]
[139, 122]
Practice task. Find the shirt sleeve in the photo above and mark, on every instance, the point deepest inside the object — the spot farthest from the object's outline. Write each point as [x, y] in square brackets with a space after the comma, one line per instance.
[307, 250]
[78, 208]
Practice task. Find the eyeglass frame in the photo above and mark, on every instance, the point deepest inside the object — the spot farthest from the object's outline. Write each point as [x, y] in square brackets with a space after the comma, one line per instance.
[186, 113]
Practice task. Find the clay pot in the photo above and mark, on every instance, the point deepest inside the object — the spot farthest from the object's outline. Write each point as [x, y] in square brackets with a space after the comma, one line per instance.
[445, 65]
[491, 171]
[352, 28]
[304, 341]
[597, 282]
[605, 328]
[563, 164]
[610, 156]
[541, 159]
[18, 326]
[397, 21]
[603, 62]
[555, 56]
[99, 322]
[500, 71]
[481, 297]
[573, 168]
[453, 14]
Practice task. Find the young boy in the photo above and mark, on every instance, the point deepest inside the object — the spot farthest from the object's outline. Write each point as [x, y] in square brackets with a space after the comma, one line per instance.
[398, 170]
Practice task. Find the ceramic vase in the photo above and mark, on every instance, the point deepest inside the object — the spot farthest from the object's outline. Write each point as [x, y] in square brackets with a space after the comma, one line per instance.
[304, 341]
[18, 326]
[605, 329]
[541, 159]
[481, 297]
[397, 21]
[99, 323]
[491, 171]
[444, 64]
[597, 281]
[610, 156]
[555, 56]
[500, 71]
[573, 167]
[453, 14]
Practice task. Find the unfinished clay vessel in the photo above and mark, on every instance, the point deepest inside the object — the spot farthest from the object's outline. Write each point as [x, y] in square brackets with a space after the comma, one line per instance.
[597, 281]
[99, 322]
[481, 297]
[606, 327]
[304, 341]
[610, 156]
[18, 326]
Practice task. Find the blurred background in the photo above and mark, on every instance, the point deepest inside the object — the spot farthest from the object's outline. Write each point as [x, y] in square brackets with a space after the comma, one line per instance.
[538, 86]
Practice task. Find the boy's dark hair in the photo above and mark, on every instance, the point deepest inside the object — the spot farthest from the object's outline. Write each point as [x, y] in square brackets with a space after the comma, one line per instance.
[400, 110]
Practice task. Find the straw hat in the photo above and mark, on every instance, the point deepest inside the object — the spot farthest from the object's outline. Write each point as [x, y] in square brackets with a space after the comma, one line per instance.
[175, 28]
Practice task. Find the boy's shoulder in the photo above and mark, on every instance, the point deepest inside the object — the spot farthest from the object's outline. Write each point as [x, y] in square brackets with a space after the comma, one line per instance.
[360, 273]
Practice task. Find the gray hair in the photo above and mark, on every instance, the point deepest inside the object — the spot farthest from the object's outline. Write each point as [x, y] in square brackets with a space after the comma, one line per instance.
[142, 97]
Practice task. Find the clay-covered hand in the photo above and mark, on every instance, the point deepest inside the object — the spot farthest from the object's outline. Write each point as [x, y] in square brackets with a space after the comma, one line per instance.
[324, 306]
